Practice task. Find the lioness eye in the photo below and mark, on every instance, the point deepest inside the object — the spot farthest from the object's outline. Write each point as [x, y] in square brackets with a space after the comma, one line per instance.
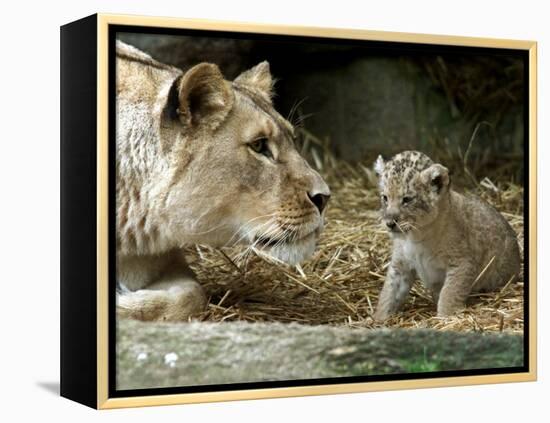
[260, 146]
[407, 200]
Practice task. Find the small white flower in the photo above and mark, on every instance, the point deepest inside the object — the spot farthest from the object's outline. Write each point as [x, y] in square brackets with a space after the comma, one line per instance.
[170, 359]
[142, 356]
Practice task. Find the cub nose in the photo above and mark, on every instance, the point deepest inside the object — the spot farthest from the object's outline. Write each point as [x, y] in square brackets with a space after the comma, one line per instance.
[391, 224]
[319, 200]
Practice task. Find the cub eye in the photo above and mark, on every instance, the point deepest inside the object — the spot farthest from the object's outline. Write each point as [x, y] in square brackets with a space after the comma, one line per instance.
[259, 146]
[384, 198]
[406, 200]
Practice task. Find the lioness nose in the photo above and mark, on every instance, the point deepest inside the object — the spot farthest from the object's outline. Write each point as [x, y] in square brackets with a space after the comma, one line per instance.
[319, 200]
[318, 192]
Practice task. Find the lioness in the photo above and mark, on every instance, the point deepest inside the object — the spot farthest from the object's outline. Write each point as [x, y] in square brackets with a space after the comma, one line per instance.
[201, 160]
[455, 243]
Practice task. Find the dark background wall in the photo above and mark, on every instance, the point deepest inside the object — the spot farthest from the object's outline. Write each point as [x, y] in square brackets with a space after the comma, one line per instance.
[368, 99]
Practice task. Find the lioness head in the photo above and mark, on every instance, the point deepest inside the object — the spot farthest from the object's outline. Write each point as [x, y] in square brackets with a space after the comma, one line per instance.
[235, 175]
[412, 188]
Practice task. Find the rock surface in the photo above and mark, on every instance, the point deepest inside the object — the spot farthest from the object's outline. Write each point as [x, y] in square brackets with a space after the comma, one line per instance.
[153, 355]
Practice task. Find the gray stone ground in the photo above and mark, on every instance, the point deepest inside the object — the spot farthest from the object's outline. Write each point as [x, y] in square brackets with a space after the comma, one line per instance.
[166, 355]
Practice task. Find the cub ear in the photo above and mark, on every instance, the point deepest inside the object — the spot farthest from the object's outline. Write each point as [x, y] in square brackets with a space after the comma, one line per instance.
[258, 79]
[379, 166]
[204, 97]
[437, 177]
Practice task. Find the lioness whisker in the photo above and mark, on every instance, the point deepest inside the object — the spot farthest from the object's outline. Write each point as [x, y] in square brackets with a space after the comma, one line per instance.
[300, 120]
[294, 109]
[282, 239]
[265, 233]
[247, 232]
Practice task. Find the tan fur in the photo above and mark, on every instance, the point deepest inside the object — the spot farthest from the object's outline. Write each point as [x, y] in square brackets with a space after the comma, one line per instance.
[456, 244]
[186, 173]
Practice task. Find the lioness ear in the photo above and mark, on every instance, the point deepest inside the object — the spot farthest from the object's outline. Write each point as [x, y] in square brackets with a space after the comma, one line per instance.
[204, 97]
[258, 79]
[437, 176]
[379, 166]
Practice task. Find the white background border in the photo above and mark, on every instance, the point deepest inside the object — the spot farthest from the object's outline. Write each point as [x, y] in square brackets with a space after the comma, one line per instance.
[29, 214]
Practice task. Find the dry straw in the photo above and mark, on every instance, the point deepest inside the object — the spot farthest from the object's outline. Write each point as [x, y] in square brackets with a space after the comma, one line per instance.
[340, 284]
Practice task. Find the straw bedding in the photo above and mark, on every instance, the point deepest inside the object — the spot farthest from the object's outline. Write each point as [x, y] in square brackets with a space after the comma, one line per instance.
[340, 284]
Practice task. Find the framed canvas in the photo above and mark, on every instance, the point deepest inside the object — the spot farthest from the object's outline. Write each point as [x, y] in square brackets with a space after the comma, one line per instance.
[257, 211]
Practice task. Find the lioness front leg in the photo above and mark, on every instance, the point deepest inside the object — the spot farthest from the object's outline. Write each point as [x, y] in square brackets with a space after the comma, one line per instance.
[170, 292]
[172, 300]
[399, 280]
[456, 288]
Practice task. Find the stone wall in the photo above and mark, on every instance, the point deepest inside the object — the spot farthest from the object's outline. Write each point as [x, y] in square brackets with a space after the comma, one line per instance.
[201, 353]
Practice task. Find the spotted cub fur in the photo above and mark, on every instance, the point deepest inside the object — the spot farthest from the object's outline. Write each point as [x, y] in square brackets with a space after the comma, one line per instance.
[456, 244]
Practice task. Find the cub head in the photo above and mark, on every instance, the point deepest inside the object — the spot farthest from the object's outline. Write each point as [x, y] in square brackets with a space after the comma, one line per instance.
[235, 174]
[412, 188]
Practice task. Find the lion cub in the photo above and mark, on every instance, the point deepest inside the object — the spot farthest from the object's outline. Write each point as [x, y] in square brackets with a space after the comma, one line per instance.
[456, 244]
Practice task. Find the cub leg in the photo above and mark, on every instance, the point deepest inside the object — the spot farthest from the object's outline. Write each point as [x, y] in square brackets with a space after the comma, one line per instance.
[436, 290]
[171, 292]
[399, 280]
[456, 288]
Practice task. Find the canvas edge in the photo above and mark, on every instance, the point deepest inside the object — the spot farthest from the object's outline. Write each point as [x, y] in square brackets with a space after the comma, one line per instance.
[103, 400]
